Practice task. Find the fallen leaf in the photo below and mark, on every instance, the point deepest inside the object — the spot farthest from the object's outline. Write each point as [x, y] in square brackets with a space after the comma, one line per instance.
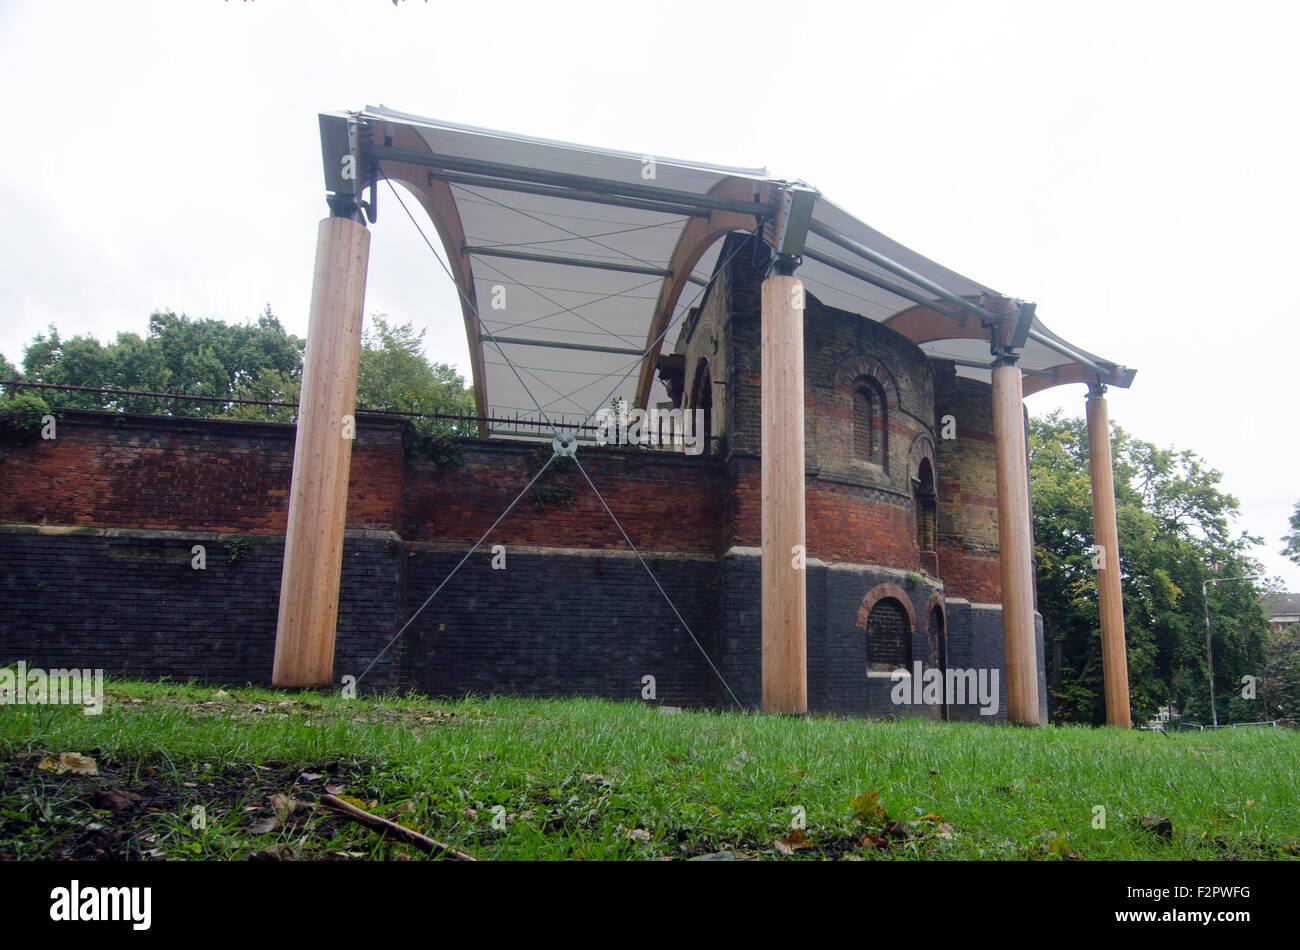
[265, 826]
[797, 840]
[639, 834]
[114, 799]
[73, 762]
[869, 842]
[283, 807]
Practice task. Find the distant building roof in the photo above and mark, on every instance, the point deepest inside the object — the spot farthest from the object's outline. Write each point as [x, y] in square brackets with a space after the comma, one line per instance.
[1281, 606]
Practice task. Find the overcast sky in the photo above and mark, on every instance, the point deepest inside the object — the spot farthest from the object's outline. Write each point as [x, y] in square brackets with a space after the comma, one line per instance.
[1131, 167]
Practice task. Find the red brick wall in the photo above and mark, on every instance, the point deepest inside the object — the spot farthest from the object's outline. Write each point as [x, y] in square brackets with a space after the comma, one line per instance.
[210, 475]
[967, 490]
[664, 502]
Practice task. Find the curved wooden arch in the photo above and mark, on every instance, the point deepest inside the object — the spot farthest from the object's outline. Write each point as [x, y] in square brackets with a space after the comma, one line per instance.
[696, 238]
[439, 204]
[1060, 375]
[879, 593]
[922, 325]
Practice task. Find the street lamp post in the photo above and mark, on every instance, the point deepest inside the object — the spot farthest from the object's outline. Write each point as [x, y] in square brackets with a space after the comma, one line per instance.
[1209, 650]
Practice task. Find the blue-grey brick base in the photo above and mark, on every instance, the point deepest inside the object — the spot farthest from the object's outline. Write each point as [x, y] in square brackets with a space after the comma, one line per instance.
[551, 624]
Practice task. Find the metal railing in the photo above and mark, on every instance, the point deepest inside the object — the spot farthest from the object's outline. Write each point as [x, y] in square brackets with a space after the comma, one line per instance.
[111, 399]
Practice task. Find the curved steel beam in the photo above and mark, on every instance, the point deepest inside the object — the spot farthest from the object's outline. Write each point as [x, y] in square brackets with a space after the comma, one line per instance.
[696, 238]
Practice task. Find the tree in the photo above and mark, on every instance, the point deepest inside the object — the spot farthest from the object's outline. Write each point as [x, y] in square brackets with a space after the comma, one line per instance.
[1174, 521]
[394, 374]
[179, 355]
[1292, 538]
[7, 371]
[1279, 682]
[258, 362]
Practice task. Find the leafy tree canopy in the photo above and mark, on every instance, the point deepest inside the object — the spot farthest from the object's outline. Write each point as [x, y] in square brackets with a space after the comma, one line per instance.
[258, 361]
[1291, 539]
[1175, 531]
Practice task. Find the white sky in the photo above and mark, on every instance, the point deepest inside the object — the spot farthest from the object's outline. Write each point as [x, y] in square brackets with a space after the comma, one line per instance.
[1131, 167]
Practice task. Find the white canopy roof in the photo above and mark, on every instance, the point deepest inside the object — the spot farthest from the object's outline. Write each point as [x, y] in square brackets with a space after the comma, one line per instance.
[581, 262]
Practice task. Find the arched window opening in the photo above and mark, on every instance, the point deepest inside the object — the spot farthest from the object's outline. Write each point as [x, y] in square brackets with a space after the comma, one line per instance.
[926, 503]
[870, 422]
[889, 636]
[702, 399]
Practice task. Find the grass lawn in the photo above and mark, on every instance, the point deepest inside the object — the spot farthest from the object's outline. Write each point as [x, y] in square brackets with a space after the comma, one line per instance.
[503, 778]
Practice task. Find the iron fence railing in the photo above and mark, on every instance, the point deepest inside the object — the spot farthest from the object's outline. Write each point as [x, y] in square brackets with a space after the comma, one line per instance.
[138, 401]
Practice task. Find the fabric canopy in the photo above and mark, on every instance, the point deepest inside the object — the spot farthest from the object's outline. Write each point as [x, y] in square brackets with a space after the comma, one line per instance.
[581, 262]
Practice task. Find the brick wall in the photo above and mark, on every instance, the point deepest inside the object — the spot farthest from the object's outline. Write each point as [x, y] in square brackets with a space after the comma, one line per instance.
[573, 611]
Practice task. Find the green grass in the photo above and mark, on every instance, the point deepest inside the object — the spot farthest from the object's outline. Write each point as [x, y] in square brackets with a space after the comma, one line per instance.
[583, 778]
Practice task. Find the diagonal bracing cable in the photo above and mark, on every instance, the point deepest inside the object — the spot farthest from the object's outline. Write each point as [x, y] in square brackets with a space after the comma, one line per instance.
[470, 303]
[617, 524]
[428, 600]
[560, 227]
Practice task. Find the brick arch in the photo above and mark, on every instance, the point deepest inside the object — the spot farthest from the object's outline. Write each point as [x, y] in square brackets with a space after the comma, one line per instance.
[879, 593]
[853, 365]
[704, 331]
[935, 603]
[922, 447]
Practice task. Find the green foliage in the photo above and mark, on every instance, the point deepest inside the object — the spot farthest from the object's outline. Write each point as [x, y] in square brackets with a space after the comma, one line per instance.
[1279, 683]
[20, 417]
[1174, 523]
[258, 362]
[179, 355]
[555, 487]
[395, 375]
[442, 448]
[237, 549]
[7, 371]
[1291, 539]
[595, 779]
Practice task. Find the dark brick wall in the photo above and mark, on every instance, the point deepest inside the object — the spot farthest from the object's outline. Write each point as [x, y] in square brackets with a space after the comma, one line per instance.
[548, 624]
[553, 625]
[134, 604]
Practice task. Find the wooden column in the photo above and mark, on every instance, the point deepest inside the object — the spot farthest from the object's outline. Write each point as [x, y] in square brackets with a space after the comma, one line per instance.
[1015, 546]
[318, 495]
[1114, 654]
[785, 663]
